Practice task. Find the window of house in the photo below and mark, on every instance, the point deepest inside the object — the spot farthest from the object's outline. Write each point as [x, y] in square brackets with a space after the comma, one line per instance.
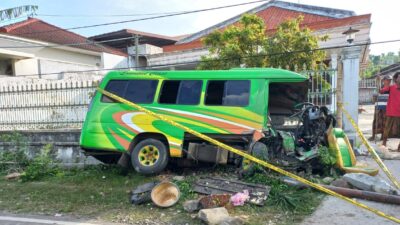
[228, 92]
[186, 92]
[137, 91]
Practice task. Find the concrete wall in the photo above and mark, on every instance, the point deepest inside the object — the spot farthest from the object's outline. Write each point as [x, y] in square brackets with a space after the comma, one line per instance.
[25, 66]
[71, 57]
[109, 61]
[65, 146]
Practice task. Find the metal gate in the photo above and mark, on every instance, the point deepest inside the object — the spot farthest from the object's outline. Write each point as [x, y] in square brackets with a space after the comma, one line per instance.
[322, 87]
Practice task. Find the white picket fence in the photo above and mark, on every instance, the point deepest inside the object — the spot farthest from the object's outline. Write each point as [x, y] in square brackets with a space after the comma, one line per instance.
[44, 104]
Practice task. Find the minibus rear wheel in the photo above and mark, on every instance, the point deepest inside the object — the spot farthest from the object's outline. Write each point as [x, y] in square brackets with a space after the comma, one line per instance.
[149, 156]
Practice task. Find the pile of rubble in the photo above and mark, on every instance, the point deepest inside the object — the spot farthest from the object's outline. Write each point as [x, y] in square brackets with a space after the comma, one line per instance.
[218, 195]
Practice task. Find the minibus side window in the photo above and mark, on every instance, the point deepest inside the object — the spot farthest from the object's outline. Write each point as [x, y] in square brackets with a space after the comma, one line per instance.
[228, 93]
[181, 92]
[141, 91]
[116, 87]
[137, 91]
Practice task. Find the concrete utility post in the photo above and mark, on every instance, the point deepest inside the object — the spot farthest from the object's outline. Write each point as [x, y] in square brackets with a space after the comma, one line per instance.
[351, 68]
[136, 51]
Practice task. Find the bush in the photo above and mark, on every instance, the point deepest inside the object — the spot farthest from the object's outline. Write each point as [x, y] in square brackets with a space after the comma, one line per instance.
[41, 166]
[13, 158]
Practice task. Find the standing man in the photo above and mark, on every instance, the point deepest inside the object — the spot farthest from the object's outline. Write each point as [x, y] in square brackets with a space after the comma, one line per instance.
[378, 125]
[392, 108]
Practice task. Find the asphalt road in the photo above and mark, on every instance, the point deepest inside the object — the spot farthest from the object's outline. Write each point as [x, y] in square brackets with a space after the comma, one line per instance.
[23, 219]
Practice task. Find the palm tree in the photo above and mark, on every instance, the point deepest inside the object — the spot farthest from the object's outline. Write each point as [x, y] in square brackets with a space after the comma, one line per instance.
[11, 13]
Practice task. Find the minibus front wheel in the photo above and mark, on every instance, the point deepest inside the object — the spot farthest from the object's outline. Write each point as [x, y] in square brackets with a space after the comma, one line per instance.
[149, 156]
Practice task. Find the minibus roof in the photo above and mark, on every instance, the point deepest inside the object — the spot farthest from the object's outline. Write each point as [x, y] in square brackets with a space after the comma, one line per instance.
[274, 75]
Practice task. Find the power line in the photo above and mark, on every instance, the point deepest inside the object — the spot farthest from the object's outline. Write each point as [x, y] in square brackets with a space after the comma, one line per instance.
[223, 59]
[70, 44]
[110, 15]
[149, 18]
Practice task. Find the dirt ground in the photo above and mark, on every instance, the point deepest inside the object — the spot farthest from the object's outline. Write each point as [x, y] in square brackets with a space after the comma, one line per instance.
[335, 211]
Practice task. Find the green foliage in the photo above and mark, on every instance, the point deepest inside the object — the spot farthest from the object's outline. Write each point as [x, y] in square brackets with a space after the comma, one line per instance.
[377, 62]
[236, 45]
[326, 157]
[293, 46]
[186, 189]
[246, 44]
[285, 197]
[13, 157]
[41, 166]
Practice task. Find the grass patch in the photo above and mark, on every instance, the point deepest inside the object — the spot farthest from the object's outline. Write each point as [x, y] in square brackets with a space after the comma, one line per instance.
[103, 192]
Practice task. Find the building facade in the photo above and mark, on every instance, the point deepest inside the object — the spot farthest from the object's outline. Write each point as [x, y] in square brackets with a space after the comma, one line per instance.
[34, 48]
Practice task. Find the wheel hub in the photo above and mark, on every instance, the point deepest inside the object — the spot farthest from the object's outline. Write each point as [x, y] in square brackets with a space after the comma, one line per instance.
[148, 155]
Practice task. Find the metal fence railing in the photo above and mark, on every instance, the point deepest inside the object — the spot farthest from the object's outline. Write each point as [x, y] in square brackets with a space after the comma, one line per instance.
[367, 88]
[322, 87]
[45, 105]
[367, 83]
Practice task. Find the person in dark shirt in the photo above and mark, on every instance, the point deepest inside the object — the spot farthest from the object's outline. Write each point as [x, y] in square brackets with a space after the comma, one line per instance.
[392, 108]
[378, 124]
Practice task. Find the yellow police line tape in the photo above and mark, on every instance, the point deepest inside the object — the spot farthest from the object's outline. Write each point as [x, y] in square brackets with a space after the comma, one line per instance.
[247, 156]
[370, 149]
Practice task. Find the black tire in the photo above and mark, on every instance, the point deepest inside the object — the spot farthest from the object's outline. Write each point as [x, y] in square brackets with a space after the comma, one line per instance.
[156, 166]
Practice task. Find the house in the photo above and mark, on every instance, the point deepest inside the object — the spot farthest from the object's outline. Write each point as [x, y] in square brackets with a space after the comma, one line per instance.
[34, 48]
[148, 43]
[186, 51]
[389, 70]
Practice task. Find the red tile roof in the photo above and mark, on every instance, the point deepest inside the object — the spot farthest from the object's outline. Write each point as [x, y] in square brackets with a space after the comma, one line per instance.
[273, 16]
[36, 29]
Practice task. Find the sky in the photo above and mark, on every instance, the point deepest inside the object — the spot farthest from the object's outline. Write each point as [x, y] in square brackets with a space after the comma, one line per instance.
[384, 12]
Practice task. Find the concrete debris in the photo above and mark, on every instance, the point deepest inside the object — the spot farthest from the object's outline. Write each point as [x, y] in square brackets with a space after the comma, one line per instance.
[213, 216]
[232, 221]
[213, 201]
[361, 151]
[141, 194]
[13, 176]
[386, 153]
[191, 205]
[369, 183]
[178, 178]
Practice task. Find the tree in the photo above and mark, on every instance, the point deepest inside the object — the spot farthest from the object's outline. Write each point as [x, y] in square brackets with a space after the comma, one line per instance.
[293, 46]
[7, 14]
[246, 44]
[377, 62]
[236, 45]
